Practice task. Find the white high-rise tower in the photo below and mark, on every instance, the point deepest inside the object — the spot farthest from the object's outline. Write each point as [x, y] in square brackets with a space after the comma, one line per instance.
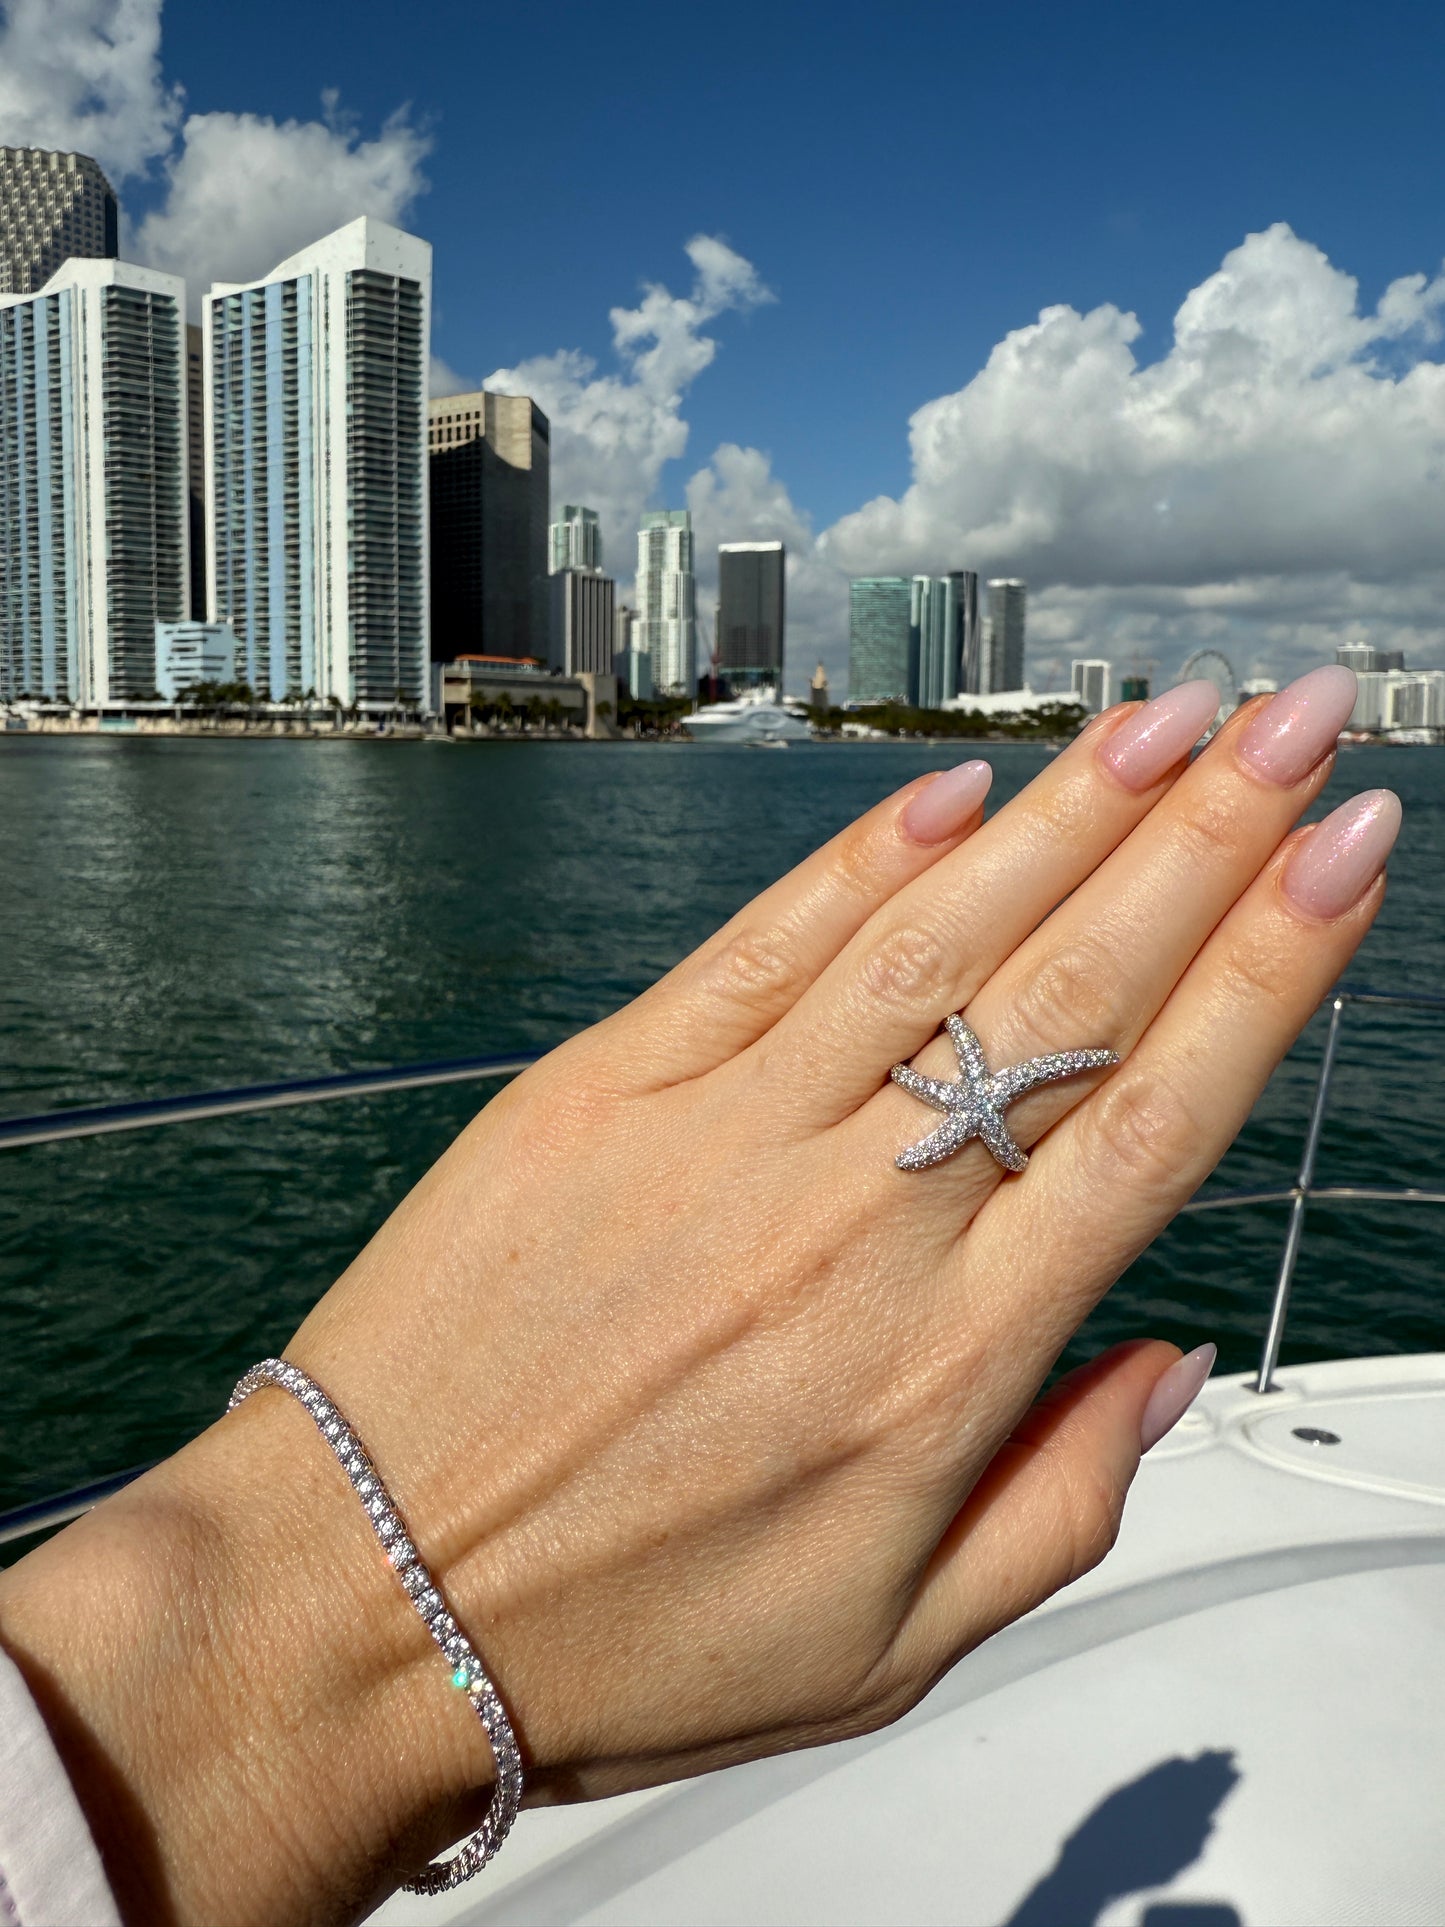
[93, 537]
[576, 541]
[667, 599]
[316, 461]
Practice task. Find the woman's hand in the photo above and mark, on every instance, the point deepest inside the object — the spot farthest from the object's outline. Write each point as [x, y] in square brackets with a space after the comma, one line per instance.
[716, 1426]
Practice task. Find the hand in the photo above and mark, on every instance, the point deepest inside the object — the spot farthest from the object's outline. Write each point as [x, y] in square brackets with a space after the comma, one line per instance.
[716, 1426]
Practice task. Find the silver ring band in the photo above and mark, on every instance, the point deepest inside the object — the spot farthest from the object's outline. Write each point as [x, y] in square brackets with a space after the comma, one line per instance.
[468, 1673]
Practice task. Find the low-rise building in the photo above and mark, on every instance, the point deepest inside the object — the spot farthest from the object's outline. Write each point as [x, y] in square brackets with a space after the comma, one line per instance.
[464, 685]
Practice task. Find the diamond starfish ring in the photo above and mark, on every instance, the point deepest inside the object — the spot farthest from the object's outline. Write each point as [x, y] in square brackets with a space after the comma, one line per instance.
[974, 1106]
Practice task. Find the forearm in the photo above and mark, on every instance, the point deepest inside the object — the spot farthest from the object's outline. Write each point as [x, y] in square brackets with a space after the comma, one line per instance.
[251, 1713]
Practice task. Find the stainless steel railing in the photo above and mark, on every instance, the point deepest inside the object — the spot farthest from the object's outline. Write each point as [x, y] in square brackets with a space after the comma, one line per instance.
[55, 1126]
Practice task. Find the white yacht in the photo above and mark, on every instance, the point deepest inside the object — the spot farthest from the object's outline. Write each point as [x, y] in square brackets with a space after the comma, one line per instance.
[758, 716]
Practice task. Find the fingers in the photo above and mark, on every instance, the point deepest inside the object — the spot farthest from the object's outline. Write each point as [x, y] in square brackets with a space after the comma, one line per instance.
[1049, 1505]
[1107, 1179]
[736, 986]
[933, 944]
[1102, 966]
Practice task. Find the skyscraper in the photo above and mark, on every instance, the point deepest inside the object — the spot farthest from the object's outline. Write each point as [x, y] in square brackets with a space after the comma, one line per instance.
[963, 584]
[575, 542]
[581, 621]
[667, 600]
[491, 458]
[316, 454]
[1004, 665]
[1089, 683]
[750, 613]
[92, 481]
[1358, 656]
[933, 641]
[54, 208]
[881, 664]
[196, 467]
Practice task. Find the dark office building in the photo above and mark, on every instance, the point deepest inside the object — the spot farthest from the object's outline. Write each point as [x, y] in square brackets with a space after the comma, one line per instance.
[750, 613]
[490, 472]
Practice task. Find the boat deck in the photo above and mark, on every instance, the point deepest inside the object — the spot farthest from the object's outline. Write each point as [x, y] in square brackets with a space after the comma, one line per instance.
[1239, 1718]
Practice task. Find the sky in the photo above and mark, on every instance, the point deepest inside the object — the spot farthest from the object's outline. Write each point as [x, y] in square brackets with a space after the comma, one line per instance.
[1142, 304]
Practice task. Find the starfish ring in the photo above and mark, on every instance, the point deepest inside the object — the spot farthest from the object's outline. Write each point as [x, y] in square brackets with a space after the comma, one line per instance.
[974, 1106]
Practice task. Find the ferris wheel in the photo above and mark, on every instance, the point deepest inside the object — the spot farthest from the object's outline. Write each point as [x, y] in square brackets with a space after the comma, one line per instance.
[1208, 665]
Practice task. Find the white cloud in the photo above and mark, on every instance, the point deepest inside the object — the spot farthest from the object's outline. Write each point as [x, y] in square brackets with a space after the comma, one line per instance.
[85, 75]
[612, 434]
[239, 191]
[245, 191]
[1289, 445]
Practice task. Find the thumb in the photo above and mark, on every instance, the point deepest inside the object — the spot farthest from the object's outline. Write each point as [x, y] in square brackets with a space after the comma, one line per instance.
[1048, 1507]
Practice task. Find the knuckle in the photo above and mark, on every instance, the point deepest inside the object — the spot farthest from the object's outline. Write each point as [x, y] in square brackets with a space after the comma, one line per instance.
[909, 968]
[1093, 1501]
[1071, 992]
[1270, 973]
[1146, 1130]
[757, 968]
[1210, 834]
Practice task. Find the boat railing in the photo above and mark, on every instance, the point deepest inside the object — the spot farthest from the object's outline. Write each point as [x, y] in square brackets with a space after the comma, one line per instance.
[101, 1120]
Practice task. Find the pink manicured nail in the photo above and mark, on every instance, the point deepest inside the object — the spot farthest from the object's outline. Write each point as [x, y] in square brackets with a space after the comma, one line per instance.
[1176, 1391]
[1330, 869]
[942, 807]
[1289, 736]
[1154, 738]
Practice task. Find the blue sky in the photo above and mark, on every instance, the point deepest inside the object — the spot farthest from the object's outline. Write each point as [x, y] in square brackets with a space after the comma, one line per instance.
[912, 180]
[913, 184]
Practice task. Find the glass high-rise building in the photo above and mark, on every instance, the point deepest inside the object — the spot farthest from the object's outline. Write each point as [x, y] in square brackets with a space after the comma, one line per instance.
[882, 665]
[1004, 654]
[963, 587]
[751, 613]
[54, 208]
[666, 628]
[576, 541]
[316, 527]
[491, 481]
[93, 539]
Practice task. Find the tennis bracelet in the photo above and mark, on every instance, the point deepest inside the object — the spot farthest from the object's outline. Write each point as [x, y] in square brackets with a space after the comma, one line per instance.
[468, 1674]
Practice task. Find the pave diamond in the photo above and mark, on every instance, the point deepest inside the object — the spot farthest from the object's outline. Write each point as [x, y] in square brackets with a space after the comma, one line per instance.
[974, 1104]
[468, 1671]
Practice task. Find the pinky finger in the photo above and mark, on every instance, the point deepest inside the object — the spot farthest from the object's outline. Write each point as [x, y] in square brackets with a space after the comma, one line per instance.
[1048, 1506]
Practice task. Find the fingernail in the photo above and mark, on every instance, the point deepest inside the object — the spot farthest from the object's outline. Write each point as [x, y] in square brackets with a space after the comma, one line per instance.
[1289, 736]
[1176, 1391]
[1332, 867]
[942, 807]
[1154, 738]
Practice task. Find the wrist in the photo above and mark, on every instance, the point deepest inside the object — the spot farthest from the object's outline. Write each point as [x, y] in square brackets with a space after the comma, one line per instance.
[254, 1718]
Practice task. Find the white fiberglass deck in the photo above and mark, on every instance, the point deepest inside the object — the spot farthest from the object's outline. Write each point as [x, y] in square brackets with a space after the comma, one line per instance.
[1240, 1718]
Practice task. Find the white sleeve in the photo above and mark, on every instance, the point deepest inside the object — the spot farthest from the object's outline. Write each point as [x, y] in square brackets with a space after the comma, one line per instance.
[50, 1872]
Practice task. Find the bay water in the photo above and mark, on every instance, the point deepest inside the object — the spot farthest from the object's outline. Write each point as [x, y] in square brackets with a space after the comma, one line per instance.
[178, 915]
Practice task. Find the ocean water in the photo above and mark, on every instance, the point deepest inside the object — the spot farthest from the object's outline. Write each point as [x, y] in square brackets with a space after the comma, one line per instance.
[178, 915]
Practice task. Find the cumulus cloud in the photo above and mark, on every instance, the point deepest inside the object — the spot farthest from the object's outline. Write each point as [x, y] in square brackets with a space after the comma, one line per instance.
[244, 191]
[613, 433]
[85, 75]
[239, 191]
[1289, 445]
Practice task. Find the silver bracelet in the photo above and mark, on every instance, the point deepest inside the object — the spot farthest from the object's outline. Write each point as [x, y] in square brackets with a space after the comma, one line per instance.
[468, 1674]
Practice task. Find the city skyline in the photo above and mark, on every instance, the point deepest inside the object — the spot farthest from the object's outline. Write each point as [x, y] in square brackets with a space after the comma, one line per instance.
[1041, 410]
